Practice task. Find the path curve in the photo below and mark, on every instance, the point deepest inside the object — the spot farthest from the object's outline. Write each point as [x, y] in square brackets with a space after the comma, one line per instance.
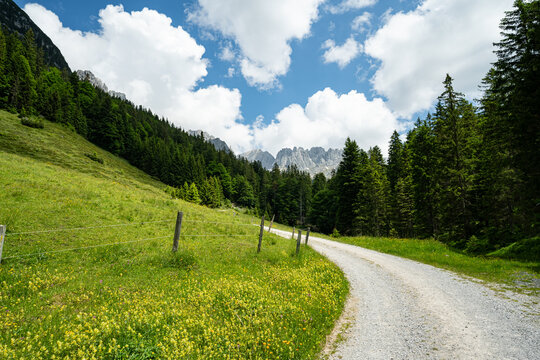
[403, 309]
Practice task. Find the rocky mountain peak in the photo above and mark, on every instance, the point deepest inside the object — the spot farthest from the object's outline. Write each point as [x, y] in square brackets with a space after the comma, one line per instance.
[87, 75]
[217, 142]
[314, 160]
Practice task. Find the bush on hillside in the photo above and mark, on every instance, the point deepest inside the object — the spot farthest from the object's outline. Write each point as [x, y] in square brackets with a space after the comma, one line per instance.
[526, 249]
[95, 157]
[35, 123]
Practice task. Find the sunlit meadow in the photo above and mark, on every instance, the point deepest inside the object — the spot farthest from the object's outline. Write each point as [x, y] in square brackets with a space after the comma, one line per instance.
[216, 298]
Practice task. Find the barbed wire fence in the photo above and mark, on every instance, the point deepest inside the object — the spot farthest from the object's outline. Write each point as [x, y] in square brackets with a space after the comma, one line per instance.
[177, 235]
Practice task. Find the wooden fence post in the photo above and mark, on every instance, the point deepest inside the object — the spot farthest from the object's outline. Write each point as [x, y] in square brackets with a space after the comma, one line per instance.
[2, 235]
[261, 235]
[271, 223]
[307, 235]
[292, 236]
[298, 241]
[177, 231]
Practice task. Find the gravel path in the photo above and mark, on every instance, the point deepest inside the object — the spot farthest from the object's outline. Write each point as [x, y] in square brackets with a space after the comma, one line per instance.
[402, 309]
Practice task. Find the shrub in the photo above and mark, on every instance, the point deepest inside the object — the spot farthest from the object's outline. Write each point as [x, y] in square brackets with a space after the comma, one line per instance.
[477, 245]
[335, 233]
[95, 157]
[35, 123]
[526, 249]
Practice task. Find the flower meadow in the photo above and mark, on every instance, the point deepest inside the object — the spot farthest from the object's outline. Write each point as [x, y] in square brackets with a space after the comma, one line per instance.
[280, 314]
[216, 298]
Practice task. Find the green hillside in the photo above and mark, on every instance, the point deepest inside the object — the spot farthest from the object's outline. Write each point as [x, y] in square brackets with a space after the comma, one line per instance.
[69, 294]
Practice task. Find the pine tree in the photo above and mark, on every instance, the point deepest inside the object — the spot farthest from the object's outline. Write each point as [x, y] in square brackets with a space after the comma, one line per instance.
[455, 129]
[511, 128]
[378, 192]
[193, 194]
[421, 145]
[394, 172]
[319, 183]
[349, 187]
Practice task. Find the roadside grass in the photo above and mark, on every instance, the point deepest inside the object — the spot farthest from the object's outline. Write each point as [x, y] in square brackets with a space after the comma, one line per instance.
[518, 275]
[513, 274]
[214, 298]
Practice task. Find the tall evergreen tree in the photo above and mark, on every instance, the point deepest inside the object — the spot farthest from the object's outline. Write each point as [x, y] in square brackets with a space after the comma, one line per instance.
[349, 187]
[421, 144]
[455, 123]
[511, 127]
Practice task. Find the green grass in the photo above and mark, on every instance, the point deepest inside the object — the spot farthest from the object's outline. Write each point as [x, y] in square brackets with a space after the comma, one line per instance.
[500, 267]
[215, 298]
[512, 273]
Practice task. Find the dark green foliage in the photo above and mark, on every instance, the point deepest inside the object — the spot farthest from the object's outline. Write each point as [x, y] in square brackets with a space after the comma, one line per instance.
[95, 157]
[527, 249]
[455, 128]
[509, 185]
[349, 184]
[243, 192]
[32, 122]
[323, 211]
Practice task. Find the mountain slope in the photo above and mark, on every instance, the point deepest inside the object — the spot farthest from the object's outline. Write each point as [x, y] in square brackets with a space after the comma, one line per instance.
[215, 298]
[17, 21]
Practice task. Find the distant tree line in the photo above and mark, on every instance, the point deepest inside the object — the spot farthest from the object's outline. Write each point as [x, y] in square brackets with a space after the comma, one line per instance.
[466, 175]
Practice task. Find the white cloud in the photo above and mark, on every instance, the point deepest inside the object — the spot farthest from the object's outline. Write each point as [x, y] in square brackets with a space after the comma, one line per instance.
[227, 54]
[326, 121]
[154, 63]
[362, 22]
[347, 5]
[343, 54]
[416, 50]
[263, 31]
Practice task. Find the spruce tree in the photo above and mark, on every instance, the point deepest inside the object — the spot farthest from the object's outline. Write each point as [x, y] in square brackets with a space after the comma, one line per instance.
[455, 130]
[349, 187]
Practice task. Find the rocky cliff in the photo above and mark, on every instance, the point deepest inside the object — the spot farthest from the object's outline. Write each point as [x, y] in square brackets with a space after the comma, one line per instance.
[217, 142]
[315, 160]
[15, 20]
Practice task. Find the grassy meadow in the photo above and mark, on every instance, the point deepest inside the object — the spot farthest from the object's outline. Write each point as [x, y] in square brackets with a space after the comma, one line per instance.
[65, 295]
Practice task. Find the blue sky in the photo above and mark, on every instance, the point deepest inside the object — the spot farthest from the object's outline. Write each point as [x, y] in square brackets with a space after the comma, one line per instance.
[272, 74]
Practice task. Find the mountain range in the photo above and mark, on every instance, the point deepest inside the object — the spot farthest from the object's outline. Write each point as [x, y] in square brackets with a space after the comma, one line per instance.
[315, 160]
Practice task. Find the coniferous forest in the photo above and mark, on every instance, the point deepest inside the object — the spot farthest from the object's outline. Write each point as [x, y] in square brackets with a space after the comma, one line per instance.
[467, 174]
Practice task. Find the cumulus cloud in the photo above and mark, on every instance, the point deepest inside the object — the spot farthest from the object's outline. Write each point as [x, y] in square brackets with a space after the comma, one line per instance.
[416, 49]
[342, 54]
[263, 31]
[362, 22]
[327, 120]
[347, 5]
[154, 63]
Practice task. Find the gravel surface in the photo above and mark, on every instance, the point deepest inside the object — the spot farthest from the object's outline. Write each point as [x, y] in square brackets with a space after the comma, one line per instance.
[402, 309]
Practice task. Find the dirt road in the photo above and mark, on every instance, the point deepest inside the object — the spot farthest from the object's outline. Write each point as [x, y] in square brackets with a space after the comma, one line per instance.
[402, 309]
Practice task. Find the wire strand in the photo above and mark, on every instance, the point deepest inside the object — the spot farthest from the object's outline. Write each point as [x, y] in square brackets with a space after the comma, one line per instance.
[213, 222]
[84, 247]
[215, 235]
[84, 228]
